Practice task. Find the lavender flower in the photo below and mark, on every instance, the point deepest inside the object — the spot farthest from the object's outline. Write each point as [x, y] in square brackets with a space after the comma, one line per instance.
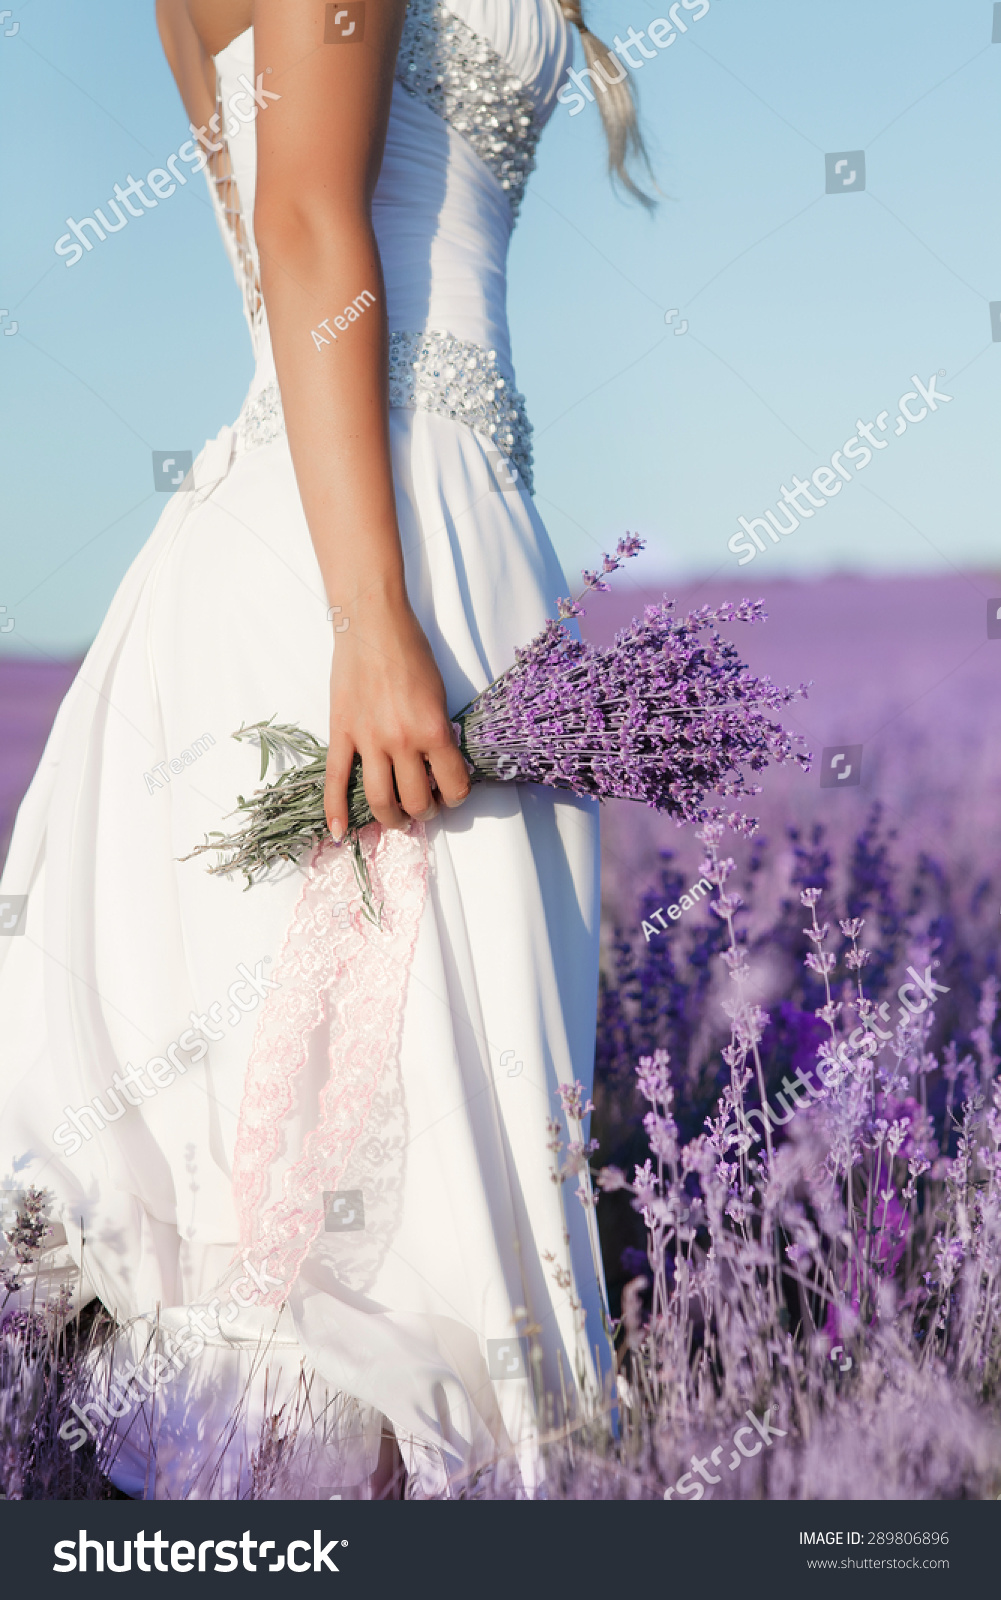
[667, 715]
[631, 545]
[575, 1101]
[24, 1238]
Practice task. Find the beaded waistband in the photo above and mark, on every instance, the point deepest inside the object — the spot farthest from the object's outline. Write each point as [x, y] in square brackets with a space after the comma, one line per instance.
[428, 372]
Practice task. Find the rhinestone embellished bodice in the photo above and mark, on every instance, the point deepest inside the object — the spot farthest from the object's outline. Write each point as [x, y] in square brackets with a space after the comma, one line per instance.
[475, 83]
[464, 80]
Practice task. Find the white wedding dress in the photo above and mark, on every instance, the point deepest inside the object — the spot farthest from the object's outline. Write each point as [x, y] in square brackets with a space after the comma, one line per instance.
[424, 1232]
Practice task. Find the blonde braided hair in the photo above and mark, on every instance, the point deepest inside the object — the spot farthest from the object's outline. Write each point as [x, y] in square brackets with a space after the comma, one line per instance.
[617, 104]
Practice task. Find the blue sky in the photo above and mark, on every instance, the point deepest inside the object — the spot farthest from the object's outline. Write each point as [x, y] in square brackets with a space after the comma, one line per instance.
[806, 311]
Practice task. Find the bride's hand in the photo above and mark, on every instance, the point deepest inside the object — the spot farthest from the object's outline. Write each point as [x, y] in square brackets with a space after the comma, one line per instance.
[387, 702]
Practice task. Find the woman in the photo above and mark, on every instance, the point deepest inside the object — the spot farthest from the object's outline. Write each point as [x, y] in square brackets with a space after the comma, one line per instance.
[291, 1151]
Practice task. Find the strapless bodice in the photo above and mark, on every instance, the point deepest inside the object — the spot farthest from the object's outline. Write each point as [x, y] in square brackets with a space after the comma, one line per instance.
[476, 81]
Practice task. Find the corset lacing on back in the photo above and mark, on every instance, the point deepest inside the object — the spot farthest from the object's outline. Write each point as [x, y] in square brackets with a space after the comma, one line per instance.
[220, 169]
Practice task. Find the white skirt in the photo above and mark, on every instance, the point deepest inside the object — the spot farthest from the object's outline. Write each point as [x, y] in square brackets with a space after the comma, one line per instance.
[129, 955]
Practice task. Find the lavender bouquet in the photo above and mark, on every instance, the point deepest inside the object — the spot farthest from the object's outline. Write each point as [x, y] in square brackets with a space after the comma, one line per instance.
[667, 714]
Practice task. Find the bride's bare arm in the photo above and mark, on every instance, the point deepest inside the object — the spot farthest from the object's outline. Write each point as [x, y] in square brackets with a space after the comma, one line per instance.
[319, 150]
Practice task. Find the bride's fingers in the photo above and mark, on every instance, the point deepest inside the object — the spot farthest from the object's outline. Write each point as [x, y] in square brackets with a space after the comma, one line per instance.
[414, 787]
[377, 771]
[335, 789]
[450, 773]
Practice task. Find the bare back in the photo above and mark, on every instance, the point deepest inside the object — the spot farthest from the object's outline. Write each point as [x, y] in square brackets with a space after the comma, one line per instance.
[192, 32]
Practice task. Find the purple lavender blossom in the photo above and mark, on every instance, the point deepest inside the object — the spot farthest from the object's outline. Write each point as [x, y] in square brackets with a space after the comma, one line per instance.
[667, 715]
[24, 1237]
[630, 545]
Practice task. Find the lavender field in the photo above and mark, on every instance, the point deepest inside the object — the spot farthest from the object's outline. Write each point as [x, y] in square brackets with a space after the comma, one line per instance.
[902, 666]
[797, 1097]
[30, 692]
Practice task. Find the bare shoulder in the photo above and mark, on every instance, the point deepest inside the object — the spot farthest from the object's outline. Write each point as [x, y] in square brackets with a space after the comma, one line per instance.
[327, 130]
[323, 142]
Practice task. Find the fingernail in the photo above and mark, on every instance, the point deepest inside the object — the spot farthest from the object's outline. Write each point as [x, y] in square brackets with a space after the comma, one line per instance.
[336, 831]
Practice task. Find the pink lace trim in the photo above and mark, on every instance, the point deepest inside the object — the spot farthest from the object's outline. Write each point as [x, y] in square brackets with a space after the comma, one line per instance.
[336, 964]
